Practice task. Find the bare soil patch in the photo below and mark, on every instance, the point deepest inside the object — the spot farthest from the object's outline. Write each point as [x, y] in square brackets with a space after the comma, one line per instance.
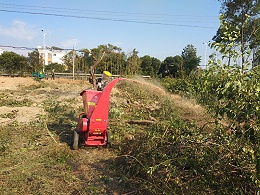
[13, 82]
[13, 87]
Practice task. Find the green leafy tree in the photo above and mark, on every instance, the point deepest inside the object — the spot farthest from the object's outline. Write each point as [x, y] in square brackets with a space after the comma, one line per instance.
[56, 66]
[23, 65]
[254, 44]
[190, 59]
[84, 60]
[67, 59]
[133, 64]
[97, 56]
[120, 61]
[112, 60]
[229, 44]
[13, 63]
[171, 66]
[150, 65]
[242, 16]
[107, 57]
[35, 62]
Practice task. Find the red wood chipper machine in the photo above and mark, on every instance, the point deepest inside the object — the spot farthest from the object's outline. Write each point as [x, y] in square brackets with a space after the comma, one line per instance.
[93, 122]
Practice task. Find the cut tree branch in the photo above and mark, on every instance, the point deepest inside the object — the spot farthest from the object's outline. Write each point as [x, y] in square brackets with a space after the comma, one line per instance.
[92, 71]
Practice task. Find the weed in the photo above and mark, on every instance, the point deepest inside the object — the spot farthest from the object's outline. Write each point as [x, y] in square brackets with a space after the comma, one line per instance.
[11, 115]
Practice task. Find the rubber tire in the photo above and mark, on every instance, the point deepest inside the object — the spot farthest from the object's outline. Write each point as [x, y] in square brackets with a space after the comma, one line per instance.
[108, 145]
[75, 144]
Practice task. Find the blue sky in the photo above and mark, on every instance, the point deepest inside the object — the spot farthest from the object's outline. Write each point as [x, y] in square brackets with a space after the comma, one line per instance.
[159, 28]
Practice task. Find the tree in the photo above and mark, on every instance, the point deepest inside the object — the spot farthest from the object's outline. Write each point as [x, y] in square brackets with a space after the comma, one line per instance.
[244, 16]
[150, 65]
[35, 62]
[56, 66]
[171, 66]
[13, 63]
[112, 59]
[133, 64]
[68, 61]
[190, 59]
[254, 45]
[219, 38]
[85, 60]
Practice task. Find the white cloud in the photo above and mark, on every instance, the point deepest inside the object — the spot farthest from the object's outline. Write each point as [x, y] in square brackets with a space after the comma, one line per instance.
[18, 30]
[70, 43]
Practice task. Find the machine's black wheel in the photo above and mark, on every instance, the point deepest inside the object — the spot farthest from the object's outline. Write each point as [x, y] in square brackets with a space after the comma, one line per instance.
[75, 144]
[108, 145]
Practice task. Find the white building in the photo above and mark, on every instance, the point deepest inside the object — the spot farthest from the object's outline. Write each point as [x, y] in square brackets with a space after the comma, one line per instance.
[51, 55]
[1, 51]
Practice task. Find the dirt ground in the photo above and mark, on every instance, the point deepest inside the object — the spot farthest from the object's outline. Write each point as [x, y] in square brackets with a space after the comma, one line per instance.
[13, 83]
[190, 110]
[28, 113]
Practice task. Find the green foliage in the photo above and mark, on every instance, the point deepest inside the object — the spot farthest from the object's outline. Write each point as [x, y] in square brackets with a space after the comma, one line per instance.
[229, 43]
[177, 86]
[13, 101]
[13, 63]
[229, 39]
[173, 156]
[11, 115]
[57, 67]
[35, 62]
[171, 66]
[190, 59]
[133, 63]
[242, 18]
[231, 95]
[150, 66]
[229, 92]
[114, 60]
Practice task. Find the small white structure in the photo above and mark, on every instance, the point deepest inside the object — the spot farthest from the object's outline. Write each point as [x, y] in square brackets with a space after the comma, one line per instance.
[51, 55]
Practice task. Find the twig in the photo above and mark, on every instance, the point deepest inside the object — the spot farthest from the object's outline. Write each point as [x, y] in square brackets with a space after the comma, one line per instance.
[48, 131]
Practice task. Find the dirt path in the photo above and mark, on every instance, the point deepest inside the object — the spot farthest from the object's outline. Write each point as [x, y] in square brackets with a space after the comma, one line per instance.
[9, 86]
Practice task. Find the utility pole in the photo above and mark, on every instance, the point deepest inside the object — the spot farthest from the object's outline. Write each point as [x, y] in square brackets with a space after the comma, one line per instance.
[206, 44]
[73, 63]
[44, 34]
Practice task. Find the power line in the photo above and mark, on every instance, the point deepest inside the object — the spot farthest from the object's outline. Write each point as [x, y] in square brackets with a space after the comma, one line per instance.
[104, 19]
[30, 48]
[17, 47]
[102, 11]
[42, 11]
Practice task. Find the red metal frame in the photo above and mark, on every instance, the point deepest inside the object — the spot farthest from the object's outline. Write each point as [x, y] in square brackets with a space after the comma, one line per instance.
[93, 125]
